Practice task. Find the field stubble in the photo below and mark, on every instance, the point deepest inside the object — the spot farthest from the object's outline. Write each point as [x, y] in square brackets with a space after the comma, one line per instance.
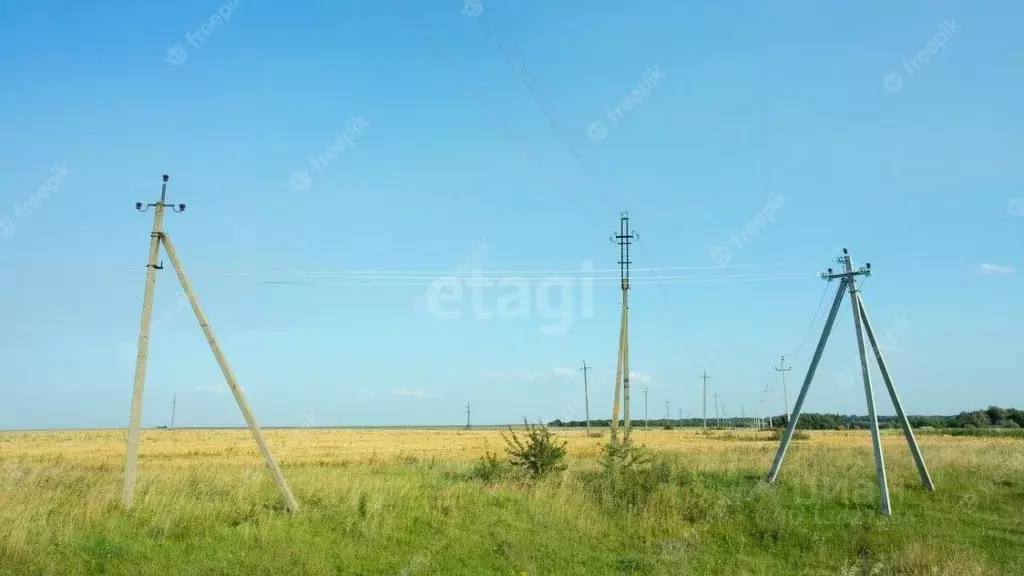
[403, 501]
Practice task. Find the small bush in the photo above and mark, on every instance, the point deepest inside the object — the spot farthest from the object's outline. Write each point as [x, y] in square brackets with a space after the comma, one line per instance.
[489, 468]
[540, 453]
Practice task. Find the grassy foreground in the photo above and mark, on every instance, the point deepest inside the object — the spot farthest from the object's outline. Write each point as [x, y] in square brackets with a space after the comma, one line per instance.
[406, 502]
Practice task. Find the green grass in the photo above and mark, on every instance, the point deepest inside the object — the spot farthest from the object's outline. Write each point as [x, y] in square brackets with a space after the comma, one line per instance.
[684, 514]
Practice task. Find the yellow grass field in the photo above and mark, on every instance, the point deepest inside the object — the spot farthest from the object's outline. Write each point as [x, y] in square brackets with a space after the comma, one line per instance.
[367, 491]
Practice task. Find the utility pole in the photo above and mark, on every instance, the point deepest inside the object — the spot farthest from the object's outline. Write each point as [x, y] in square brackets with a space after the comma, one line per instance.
[848, 283]
[718, 419]
[647, 421]
[782, 370]
[157, 237]
[705, 379]
[586, 395]
[667, 417]
[174, 406]
[624, 239]
[467, 415]
[743, 414]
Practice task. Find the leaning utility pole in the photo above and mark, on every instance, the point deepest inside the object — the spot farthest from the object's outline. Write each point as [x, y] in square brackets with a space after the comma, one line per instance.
[705, 379]
[782, 369]
[624, 239]
[586, 395]
[848, 282]
[174, 406]
[158, 236]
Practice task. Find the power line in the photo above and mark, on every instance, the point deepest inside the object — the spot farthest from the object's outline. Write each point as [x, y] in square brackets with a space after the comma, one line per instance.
[814, 322]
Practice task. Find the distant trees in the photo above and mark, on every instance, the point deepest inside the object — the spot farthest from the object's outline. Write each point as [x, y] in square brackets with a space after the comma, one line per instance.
[993, 416]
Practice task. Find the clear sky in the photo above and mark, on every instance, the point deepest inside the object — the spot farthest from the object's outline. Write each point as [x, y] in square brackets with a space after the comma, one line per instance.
[423, 139]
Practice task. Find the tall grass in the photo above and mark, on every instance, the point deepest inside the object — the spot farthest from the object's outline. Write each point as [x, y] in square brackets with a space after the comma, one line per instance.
[205, 505]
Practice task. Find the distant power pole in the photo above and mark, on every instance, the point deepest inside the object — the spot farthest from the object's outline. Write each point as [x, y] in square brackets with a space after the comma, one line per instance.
[705, 379]
[647, 420]
[718, 419]
[667, 417]
[586, 395]
[782, 369]
[174, 405]
[624, 239]
[467, 415]
[743, 414]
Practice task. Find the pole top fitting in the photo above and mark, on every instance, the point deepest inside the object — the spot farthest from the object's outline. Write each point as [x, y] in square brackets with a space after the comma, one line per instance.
[845, 251]
[166, 177]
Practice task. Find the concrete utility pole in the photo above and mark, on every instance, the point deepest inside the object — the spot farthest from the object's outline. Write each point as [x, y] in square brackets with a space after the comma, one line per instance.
[782, 370]
[848, 282]
[467, 415]
[705, 379]
[624, 239]
[158, 236]
[586, 395]
[667, 417]
[174, 406]
[647, 421]
[718, 419]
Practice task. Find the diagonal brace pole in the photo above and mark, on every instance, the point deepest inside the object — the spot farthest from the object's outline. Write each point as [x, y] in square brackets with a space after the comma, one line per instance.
[922, 469]
[236, 390]
[773, 473]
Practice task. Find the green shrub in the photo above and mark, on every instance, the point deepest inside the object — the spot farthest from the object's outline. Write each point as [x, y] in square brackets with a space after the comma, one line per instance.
[539, 454]
[489, 468]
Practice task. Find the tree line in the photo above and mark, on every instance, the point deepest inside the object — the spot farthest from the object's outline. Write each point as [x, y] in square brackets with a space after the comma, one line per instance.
[991, 417]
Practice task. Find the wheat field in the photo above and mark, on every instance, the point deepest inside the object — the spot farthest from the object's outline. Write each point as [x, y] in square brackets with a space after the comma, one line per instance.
[405, 501]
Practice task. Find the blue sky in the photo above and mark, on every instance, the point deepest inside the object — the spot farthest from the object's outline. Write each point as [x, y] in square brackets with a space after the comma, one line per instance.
[787, 107]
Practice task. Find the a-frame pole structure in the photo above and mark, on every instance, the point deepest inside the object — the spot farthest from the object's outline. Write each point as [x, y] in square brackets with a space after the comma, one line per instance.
[624, 239]
[158, 236]
[848, 283]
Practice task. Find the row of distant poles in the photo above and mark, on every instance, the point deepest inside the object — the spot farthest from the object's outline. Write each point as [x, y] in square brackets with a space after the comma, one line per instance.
[847, 284]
